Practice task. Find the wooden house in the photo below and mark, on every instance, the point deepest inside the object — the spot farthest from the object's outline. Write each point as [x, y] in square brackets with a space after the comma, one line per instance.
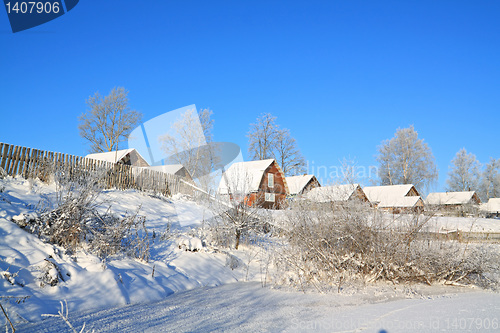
[124, 156]
[461, 203]
[395, 198]
[256, 183]
[491, 208]
[298, 185]
[337, 194]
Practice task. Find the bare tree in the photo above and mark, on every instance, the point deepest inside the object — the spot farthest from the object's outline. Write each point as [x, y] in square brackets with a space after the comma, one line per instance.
[267, 140]
[490, 180]
[236, 215]
[191, 146]
[108, 121]
[464, 172]
[406, 159]
[288, 154]
[348, 168]
[261, 137]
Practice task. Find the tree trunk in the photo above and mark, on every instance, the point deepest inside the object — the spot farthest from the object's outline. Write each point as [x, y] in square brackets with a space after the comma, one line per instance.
[238, 235]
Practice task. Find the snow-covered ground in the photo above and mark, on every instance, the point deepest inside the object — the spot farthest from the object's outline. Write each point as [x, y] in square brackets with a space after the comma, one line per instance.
[179, 290]
[248, 307]
[468, 224]
[91, 283]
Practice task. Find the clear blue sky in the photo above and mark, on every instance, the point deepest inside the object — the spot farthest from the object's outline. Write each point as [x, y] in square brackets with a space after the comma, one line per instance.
[341, 75]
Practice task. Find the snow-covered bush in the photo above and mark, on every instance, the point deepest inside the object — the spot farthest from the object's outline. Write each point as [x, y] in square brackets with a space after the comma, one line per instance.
[108, 235]
[326, 247]
[193, 244]
[76, 221]
[50, 275]
[66, 225]
[233, 223]
[233, 261]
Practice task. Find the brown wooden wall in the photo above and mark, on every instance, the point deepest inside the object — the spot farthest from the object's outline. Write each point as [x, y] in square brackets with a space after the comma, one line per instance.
[279, 189]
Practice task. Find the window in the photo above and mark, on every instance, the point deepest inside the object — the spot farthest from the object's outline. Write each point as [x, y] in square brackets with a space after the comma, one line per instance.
[270, 197]
[270, 180]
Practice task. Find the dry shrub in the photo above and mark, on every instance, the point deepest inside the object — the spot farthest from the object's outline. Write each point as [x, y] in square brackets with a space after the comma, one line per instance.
[76, 222]
[328, 245]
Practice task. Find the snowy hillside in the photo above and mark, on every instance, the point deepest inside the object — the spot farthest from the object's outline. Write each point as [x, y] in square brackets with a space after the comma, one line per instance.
[86, 281]
[187, 286]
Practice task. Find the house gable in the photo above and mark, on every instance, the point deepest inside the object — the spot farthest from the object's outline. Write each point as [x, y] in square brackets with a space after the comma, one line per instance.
[124, 156]
[301, 184]
[251, 180]
[453, 198]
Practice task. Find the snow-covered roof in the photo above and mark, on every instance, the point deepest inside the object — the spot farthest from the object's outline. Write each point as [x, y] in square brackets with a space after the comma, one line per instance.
[401, 202]
[386, 193]
[243, 177]
[112, 156]
[493, 205]
[449, 198]
[332, 193]
[296, 184]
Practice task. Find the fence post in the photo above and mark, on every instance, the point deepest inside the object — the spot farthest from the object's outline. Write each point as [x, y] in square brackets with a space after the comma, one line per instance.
[1, 155]
[27, 163]
[4, 155]
[17, 160]
[14, 160]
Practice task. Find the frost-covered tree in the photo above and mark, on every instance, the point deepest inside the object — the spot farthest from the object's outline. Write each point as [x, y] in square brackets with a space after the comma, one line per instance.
[288, 154]
[108, 120]
[267, 140]
[464, 172]
[348, 174]
[236, 216]
[490, 180]
[191, 146]
[261, 137]
[406, 159]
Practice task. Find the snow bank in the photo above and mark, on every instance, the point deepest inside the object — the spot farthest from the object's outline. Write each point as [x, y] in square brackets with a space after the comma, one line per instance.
[46, 274]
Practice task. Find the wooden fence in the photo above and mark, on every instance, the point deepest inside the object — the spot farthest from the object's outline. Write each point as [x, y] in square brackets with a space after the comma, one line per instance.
[462, 236]
[35, 163]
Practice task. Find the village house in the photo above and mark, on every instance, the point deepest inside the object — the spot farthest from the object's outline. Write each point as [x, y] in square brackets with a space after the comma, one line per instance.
[256, 183]
[460, 203]
[337, 194]
[124, 156]
[395, 198]
[491, 208]
[298, 185]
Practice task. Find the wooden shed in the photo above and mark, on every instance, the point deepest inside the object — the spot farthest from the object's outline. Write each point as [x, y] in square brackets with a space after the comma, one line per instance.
[395, 198]
[124, 156]
[174, 169]
[256, 183]
[337, 193]
[298, 185]
[491, 208]
[461, 203]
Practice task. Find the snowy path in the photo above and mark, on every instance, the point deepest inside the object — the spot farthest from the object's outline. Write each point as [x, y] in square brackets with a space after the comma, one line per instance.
[246, 307]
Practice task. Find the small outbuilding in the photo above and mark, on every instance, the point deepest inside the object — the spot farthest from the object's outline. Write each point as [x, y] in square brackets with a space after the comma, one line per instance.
[491, 208]
[256, 183]
[411, 204]
[337, 194]
[395, 198]
[298, 185]
[461, 203]
[124, 156]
